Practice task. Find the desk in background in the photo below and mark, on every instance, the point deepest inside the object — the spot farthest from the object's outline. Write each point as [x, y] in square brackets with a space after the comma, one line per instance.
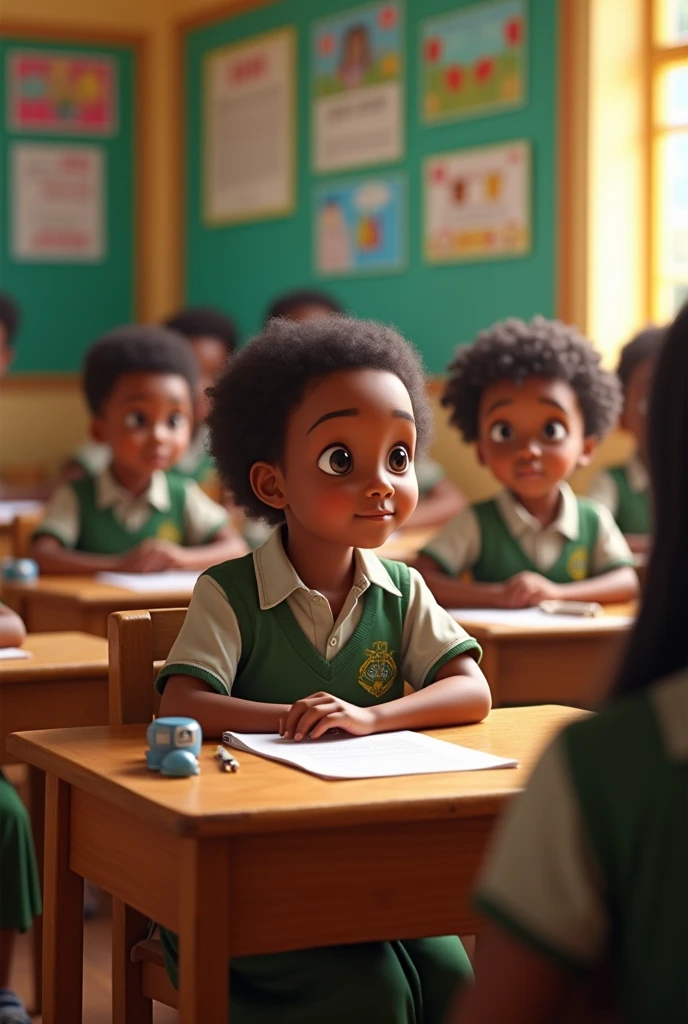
[79, 603]
[208, 856]
[531, 665]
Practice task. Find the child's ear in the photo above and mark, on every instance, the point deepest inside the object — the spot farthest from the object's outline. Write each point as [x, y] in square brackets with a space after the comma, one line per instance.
[589, 449]
[268, 484]
[96, 430]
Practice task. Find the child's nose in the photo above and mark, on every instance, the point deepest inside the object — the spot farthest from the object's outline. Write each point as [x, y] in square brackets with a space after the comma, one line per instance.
[380, 486]
[531, 448]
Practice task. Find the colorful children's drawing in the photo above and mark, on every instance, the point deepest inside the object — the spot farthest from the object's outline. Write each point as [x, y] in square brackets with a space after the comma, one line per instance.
[477, 203]
[73, 93]
[473, 61]
[360, 226]
[357, 67]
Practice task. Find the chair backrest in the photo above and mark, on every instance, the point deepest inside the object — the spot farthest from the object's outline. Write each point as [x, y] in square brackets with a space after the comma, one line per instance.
[21, 531]
[137, 642]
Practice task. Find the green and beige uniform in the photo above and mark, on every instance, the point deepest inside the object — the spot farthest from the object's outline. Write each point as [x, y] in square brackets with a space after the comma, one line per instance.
[195, 464]
[499, 538]
[590, 864]
[20, 891]
[625, 491]
[98, 515]
[255, 631]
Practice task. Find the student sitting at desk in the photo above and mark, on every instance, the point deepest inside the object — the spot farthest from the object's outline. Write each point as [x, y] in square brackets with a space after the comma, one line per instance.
[314, 428]
[586, 887]
[536, 400]
[136, 516]
[625, 489]
[438, 498]
[20, 894]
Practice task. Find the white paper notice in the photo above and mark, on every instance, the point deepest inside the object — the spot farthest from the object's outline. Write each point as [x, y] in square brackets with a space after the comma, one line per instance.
[151, 582]
[528, 617]
[368, 757]
[57, 203]
[12, 653]
[250, 129]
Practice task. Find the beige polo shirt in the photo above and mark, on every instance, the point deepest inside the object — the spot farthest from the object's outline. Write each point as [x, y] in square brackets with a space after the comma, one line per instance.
[604, 489]
[458, 546]
[210, 638]
[202, 516]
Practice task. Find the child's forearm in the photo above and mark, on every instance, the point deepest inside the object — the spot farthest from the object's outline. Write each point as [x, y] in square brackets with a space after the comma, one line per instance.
[12, 629]
[615, 587]
[459, 695]
[55, 559]
[228, 545]
[186, 696]
[451, 592]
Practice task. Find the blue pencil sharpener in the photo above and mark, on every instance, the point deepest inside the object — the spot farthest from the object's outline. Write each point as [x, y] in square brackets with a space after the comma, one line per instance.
[22, 569]
[173, 746]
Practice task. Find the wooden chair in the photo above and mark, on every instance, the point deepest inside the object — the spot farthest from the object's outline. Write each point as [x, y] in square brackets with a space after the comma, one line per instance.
[21, 531]
[138, 642]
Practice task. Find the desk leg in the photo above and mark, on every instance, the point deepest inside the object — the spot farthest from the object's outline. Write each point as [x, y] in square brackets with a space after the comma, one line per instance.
[63, 918]
[37, 815]
[129, 1005]
[204, 932]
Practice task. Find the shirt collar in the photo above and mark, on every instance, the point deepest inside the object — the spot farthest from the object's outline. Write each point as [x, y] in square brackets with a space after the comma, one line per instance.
[277, 578]
[110, 493]
[519, 520]
[670, 701]
[637, 475]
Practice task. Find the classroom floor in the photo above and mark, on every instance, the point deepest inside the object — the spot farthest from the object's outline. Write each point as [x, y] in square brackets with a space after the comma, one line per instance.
[97, 1007]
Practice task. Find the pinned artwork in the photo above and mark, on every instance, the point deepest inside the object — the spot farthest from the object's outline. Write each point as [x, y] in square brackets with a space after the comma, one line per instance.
[60, 92]
[360, 226]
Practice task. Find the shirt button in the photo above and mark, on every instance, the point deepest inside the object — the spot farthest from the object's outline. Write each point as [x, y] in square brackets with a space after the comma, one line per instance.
[333, 641]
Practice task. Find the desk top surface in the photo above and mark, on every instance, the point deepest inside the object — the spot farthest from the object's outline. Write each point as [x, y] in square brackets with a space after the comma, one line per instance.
[58, 656]
[90, 591]
[265, 796]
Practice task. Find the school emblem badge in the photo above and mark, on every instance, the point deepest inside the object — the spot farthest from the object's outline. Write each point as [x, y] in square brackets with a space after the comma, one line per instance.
[168, 530]
[379, 670]
[577, 564]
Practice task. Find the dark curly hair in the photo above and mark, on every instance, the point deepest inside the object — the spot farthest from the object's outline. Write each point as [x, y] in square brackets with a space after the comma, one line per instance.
[285, 305]
[202, 322]
[645, 345]
[516, 350]
[136, 348]
[9, 316]
[254, 397]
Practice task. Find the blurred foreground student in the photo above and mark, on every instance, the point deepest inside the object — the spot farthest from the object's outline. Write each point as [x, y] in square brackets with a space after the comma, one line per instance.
[589, 867]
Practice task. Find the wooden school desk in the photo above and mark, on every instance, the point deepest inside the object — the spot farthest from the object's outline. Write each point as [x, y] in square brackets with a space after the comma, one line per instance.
[64, 682]
[244, 864]
[532, 665]
[79, 602]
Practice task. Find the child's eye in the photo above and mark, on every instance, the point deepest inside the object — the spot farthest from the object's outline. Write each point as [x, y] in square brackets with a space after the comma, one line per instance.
[501, 431]
[177, 419]
[135, 420]
[554, 430]
[398, 459]
[336, 461]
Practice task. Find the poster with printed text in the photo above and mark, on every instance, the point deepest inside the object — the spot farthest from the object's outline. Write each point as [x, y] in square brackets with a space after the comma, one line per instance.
[58, 203]
[477, 203]
[249, 129]
[360, 226]
[60, 92]
[357, 89]
[473, 61]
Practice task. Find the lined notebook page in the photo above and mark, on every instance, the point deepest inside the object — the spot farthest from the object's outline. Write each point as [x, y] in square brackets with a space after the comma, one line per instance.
[536, 617]
[367, 757]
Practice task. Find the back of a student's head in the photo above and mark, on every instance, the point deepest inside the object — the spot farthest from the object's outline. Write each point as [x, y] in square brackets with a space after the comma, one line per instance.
[659, 644]
[302, 304]
[9, 325]
[213, 338]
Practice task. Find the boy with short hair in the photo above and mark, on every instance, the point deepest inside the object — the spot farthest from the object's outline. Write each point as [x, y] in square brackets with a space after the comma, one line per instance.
[625, 489]
[135, 515]
[303, 304]
[314, 428]
[535, 399]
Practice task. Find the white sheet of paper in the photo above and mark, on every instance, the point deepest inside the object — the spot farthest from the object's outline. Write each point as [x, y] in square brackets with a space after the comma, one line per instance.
[536, 617]
[10, 509]
[150, 582]
[10, 653]
[367, 757]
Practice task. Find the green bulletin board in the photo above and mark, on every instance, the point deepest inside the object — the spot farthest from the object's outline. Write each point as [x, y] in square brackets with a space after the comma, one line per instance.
[65, 305]
[241, 267]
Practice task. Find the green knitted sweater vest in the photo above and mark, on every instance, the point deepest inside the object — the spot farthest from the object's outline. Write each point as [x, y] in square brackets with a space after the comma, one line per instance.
[278, 663]
[101, 533]
[501, 556]
[633, 510]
